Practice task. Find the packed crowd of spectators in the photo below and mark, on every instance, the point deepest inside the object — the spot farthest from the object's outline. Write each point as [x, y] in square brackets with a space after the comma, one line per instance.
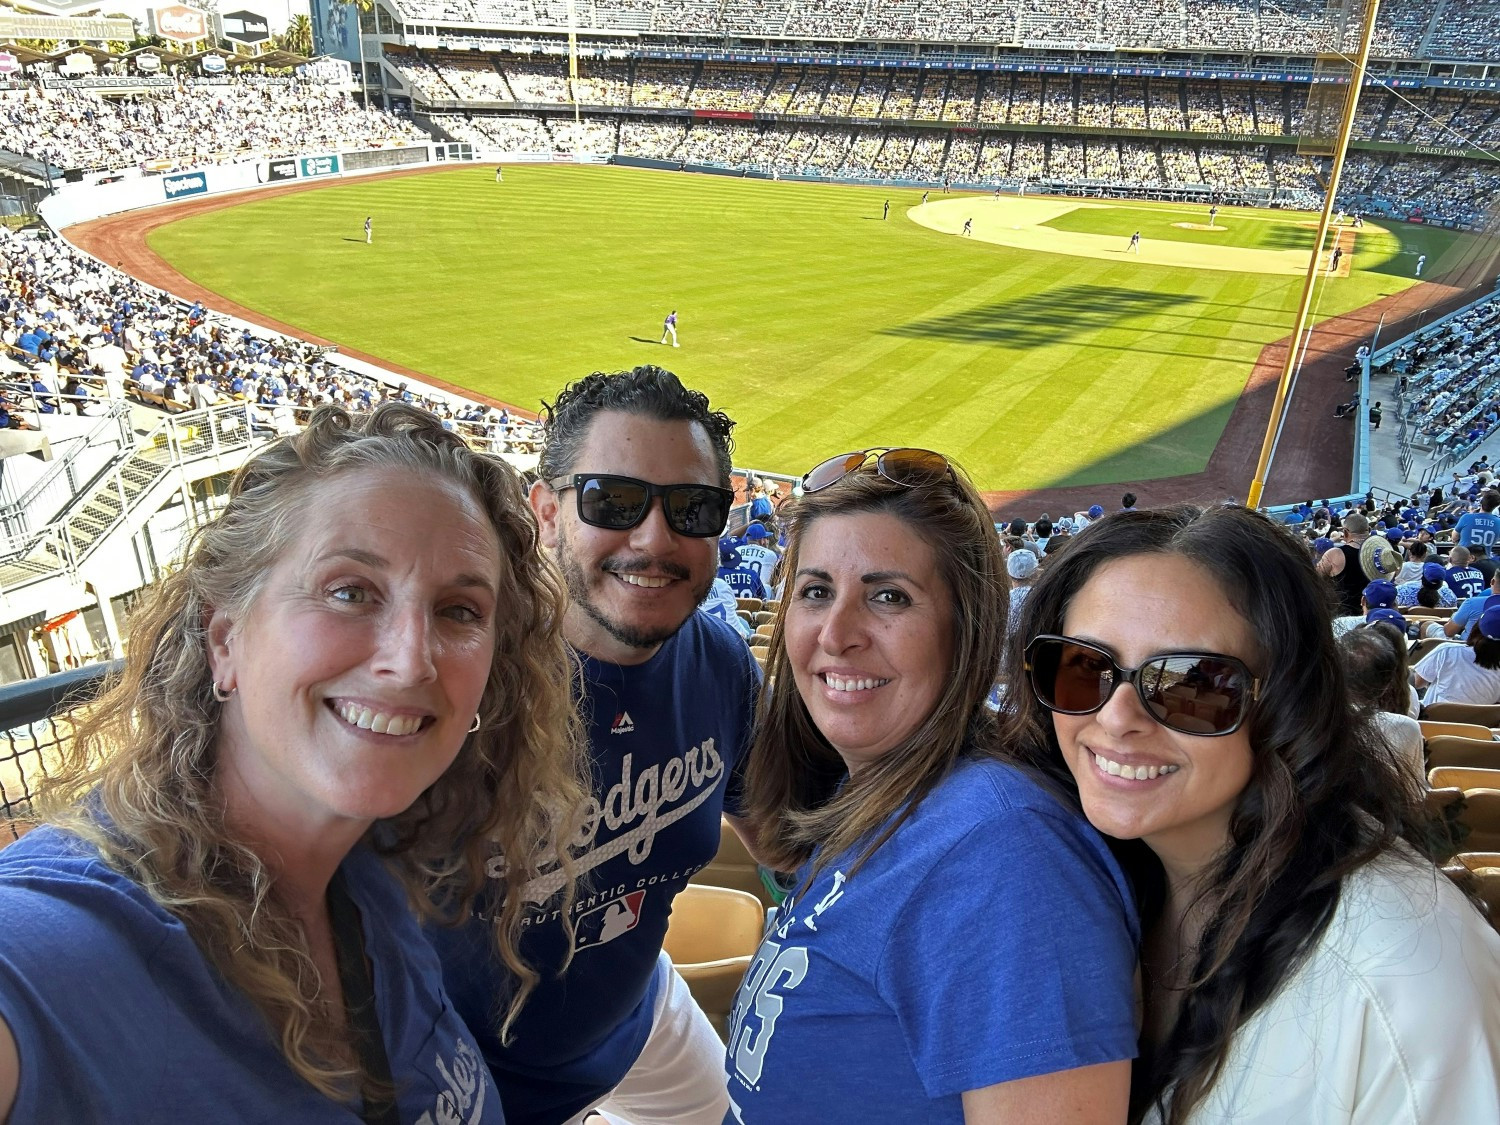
[1441, 189]
[1404, 29]
[1449, 381]
[191, 123]
[1425, 117]
[77, 331]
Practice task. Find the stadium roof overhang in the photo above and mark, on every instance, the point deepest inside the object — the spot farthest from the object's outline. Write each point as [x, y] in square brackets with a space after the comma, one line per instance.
[25, 55]
[97, 54]
[167, 57]
[275, 60]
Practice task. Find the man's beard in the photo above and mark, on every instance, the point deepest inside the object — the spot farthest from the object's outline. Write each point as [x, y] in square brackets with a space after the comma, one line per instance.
[623, 631]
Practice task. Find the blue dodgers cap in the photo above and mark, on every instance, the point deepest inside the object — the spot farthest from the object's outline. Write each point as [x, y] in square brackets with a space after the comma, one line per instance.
[1096, 511]
[1391, 617]
[1489, 623]
[1394, 535]
[729, 554]
[1434, 572]
[757, 530]
[1322, 544]
[1381, 594]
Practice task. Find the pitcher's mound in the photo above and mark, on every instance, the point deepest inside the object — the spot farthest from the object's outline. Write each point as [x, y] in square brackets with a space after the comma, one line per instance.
[1199, 226]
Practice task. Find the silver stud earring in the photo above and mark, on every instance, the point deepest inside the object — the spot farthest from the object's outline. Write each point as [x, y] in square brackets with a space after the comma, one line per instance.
[474, 726]
[221, 694]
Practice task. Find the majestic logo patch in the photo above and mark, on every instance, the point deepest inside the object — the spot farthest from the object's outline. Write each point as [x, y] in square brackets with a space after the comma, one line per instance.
[623, 724]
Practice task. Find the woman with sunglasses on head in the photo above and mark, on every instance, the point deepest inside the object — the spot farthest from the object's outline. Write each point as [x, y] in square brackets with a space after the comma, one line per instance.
[960, 946]
[1301, 961]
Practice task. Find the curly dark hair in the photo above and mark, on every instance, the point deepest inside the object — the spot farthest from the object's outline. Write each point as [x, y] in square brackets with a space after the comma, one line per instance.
[1323, 798]
[649, 390]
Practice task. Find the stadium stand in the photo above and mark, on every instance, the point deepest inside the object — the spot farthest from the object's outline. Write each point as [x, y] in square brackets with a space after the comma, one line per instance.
[199, 123]
[1167, 135]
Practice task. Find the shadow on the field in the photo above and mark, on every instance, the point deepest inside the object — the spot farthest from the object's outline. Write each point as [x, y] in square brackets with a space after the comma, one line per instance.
[1036, 320]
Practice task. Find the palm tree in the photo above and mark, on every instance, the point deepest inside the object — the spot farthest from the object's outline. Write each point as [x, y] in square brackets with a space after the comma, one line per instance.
[298, 36]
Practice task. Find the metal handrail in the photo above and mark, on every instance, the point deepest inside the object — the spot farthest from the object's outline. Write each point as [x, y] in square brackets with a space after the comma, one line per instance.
[117, 418]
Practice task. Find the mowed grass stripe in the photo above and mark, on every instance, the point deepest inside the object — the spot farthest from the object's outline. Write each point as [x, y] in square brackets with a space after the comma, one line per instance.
[816, 324]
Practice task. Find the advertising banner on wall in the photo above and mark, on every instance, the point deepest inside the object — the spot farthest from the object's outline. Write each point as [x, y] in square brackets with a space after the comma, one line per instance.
[245, 27]
[9, 64]
[179, 23]
[214, 64]
[275, 170]
[318, 165]
[149, 63]
[184, 184]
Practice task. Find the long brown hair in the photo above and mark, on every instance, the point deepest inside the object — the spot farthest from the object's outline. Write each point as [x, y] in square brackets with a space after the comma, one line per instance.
[796, 796]
[1324, 797]
[139, 780]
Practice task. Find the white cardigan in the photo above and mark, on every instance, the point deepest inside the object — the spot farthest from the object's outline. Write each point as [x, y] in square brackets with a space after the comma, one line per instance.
[1394, 1018]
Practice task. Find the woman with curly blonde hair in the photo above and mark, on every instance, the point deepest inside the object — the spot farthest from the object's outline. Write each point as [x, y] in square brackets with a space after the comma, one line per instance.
[349, 699]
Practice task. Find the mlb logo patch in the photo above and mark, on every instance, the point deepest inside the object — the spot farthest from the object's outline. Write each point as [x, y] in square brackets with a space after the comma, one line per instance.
[605, 923]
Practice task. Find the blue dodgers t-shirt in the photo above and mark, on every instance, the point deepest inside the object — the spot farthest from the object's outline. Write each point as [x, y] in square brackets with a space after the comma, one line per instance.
[1466, 581]
[992, 937]
[1478, 527]
[667, 739]
[118, 1017]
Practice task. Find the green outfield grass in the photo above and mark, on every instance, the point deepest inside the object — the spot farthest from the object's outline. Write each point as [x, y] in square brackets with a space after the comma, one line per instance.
[818, 326]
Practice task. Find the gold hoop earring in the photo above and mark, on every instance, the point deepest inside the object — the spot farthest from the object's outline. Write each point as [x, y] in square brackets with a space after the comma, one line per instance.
[474, 726]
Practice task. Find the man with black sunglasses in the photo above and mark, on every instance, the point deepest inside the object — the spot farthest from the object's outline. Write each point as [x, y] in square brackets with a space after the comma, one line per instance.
[633, 496]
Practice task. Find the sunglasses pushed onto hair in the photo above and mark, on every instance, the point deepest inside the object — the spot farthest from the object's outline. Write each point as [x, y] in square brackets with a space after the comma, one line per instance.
[616, 503]
[909, 467]
[1202, 693]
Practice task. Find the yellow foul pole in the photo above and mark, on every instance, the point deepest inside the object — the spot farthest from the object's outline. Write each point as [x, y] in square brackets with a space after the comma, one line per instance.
[573, 59]
[1283, 385]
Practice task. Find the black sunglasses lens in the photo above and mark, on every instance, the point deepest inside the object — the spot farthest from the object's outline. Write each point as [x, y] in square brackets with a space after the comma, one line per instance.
[832, 471]
[611, 502]
[1070, 677]
[913, 466]
[1195, 694]
[697, 511]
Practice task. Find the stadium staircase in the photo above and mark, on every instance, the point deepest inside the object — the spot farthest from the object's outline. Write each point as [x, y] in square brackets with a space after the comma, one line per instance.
[118, 501]
[1436, 22]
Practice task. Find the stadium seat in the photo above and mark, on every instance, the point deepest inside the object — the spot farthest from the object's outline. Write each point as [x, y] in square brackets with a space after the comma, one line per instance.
[765, 617]
[764, 630]
[760, 640]
[1478, 861]
[1432, 729]
[733, 867]
[751, 604]
[746, 616]
[711, 937]
[1423, 647]
[1485, 716]
[1444, 777]
[1465, 753]
[1481, 812]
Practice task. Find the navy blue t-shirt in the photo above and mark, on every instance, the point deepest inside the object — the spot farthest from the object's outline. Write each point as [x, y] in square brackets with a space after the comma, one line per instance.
[667, 739]
[119, 1017]
[992, 937]
[1466, 581]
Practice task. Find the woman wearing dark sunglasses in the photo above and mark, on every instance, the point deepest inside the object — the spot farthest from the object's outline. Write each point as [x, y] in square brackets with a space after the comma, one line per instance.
[1301, 961]
[960, 946]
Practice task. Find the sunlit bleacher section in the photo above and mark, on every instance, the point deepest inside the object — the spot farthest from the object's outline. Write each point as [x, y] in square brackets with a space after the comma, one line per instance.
[92, 130]
[1057, 93]
[1465, 29]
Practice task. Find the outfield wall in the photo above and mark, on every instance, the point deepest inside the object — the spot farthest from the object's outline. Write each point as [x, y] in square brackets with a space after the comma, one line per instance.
[110, 195]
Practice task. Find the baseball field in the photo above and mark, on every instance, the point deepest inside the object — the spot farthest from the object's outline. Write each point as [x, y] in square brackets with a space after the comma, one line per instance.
[1037, 348]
